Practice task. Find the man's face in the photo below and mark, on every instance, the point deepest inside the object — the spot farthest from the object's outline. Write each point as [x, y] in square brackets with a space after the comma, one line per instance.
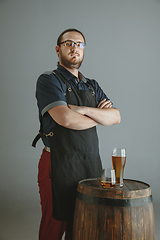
[71, 56]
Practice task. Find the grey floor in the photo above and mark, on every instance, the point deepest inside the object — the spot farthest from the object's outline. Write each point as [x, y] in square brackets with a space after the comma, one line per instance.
[22, 223]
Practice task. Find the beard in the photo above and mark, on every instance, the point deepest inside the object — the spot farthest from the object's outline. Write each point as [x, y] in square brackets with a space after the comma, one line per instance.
[72, 63]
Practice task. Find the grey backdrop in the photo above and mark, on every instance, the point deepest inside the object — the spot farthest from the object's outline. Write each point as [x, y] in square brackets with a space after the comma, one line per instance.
[122, 54]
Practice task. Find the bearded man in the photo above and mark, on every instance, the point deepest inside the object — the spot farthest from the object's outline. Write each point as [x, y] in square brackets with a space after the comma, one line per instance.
[70, 107]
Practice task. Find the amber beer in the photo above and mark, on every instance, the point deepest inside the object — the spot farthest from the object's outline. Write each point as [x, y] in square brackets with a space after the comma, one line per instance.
[118, 163]
[108, 178]
[106, 184]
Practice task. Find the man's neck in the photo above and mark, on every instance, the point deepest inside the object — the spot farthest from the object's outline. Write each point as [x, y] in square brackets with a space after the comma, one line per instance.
[74, 71]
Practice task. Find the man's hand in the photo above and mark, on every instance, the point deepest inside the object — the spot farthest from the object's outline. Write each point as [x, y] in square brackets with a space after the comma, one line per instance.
[105, 104]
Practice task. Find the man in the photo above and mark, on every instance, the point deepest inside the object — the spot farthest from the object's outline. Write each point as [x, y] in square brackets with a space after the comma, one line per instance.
[70, 108]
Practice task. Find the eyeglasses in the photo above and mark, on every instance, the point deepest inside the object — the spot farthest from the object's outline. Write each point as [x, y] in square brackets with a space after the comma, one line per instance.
[70, 43]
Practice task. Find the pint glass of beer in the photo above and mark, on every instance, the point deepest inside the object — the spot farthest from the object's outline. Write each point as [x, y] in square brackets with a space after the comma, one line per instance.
[118, 163]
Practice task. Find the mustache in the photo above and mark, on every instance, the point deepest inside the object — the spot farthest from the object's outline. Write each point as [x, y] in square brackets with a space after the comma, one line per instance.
[73, 51]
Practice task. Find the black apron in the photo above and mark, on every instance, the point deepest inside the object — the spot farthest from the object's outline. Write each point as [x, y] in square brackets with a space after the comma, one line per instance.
[74, 156]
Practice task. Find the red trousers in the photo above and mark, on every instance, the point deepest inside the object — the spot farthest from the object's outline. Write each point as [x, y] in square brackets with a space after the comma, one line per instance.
[50, 229]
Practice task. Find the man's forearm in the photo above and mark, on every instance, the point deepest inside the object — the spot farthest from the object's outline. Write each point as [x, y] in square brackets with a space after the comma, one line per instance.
[104, 116]
[78, 121]
[71, 119]
[81, 117]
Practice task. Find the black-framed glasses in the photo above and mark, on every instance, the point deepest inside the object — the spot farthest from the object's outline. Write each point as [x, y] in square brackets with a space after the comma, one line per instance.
[70, 43]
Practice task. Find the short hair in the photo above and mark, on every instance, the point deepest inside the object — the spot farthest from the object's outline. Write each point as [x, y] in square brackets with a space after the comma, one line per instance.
[69, 30]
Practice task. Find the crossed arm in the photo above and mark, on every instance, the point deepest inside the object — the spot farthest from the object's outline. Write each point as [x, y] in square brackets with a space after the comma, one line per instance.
[81, 117]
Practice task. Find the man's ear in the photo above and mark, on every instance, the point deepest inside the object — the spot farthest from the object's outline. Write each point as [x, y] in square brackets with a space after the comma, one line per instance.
[57, 49]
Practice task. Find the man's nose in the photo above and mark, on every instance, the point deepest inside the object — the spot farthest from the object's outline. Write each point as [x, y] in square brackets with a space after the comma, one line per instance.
[75, 46]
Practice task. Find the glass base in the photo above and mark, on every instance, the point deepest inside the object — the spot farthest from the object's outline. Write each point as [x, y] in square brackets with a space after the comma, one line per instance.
[119, 184]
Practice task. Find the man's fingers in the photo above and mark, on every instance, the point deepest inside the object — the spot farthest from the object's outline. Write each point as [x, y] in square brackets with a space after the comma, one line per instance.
[101, 102]
[105, 104]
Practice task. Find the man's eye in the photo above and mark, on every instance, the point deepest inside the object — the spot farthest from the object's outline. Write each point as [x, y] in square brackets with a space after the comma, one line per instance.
[69, 43]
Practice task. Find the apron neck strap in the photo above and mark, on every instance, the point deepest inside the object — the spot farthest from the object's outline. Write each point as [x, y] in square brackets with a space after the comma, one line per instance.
[57, 73]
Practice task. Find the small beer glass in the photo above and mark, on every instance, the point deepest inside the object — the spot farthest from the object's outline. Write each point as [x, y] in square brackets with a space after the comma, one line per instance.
[108, 178]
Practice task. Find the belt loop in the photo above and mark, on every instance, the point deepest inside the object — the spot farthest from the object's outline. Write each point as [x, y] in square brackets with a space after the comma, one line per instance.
[47, 149]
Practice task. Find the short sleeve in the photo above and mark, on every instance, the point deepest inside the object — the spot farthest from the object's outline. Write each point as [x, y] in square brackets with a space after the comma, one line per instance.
[49, 93]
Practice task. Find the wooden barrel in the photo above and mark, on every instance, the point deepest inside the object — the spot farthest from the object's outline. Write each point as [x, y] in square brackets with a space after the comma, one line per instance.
[114, 213]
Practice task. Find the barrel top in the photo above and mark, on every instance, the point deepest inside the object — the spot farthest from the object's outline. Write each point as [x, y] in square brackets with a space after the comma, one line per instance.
[131, 188]
[129, 184]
